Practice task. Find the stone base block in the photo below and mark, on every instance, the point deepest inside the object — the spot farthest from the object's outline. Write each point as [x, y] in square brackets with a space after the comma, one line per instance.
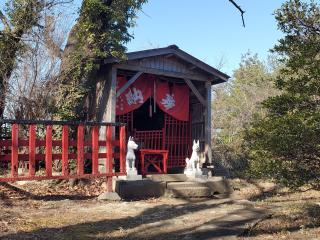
[140, 189]
[191, 174]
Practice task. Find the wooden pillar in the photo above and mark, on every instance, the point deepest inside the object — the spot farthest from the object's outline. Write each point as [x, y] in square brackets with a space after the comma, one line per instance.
[207, 124]
[111, 110]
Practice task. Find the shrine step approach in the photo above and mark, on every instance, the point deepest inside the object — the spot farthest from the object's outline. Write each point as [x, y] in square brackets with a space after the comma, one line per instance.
[173, 185]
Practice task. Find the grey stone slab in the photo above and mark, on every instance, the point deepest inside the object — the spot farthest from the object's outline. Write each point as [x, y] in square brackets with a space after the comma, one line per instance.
[168, 177]
[139, 189]
[189, 192]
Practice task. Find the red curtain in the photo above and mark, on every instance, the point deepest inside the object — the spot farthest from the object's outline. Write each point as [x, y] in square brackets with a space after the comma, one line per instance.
[173, 99]
[135, 95]
[170, 98]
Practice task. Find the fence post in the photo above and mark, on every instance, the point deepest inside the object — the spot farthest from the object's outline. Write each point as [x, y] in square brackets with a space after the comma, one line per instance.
[80, 150]
[14, 150]
[109, 157]
[65, 150]
[32, 149]
[95, 149]
[122, 140]
[49, 151]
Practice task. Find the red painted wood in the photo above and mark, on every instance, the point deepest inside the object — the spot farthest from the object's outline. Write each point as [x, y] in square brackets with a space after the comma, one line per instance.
[32, 149]
[80, 150]
[24, 178]
[151, 157]
[5, 143]
[65, 150]
[55, 156]
[57, 143]
[109, 184]
[122, 139]
[109, 165]
[95, 149]
[48, 154]
[14, 150]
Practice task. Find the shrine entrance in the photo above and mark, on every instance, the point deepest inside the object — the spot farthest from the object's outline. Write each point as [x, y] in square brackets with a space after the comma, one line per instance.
[152, 125]
[149, 118]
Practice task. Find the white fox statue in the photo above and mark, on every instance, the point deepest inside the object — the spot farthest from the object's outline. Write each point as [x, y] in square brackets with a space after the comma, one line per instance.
[193, 164]
[131, 157]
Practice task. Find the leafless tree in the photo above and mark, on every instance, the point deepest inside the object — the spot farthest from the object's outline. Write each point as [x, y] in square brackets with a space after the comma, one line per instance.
[33, 82]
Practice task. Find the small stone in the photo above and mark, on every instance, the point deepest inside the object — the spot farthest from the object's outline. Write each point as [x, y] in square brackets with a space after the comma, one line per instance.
[111, 196]
[104, 186]
[73, 182]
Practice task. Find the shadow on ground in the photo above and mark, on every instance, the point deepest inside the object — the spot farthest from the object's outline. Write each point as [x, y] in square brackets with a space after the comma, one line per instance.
[154, 223]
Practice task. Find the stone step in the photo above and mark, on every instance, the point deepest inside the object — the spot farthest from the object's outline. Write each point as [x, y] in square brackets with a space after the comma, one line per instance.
[189, 192]
[139, 189]
[218, 185]
[167, 177]
[174, 185]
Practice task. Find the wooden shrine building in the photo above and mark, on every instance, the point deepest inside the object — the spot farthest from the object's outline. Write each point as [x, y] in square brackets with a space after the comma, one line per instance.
[164, 97]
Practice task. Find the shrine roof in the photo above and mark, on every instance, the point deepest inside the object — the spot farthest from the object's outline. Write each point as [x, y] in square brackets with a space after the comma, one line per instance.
[173, 50]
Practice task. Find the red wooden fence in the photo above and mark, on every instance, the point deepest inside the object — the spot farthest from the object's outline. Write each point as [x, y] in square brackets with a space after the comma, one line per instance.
[76, 143]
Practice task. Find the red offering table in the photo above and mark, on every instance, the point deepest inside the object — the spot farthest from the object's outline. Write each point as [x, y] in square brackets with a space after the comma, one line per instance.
[156, 158]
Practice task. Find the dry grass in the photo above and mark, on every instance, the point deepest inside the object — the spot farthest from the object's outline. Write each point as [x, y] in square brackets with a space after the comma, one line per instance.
[294, 214]
[40, 210]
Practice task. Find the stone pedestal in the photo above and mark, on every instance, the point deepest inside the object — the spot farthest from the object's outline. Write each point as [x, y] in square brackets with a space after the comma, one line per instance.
[197, 173]
[132, 175]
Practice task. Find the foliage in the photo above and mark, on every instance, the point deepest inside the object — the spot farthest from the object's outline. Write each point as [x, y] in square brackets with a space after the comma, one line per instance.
[236, 104]
[285, 144]
[101, 31]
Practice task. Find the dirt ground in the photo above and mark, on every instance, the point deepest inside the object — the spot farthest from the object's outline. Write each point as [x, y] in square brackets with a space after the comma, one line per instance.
[292, 214]
[50, 210]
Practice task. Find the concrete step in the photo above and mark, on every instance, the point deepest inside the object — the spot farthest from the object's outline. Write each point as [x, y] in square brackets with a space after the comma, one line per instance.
[173, 185]
[217, 185]
[139, 189]
[167, 177]
[189, 192]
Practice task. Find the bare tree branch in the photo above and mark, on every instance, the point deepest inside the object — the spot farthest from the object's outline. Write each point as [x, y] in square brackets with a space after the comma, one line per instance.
[315, 29]
[4, 20]
[240, 9]
[51, 4]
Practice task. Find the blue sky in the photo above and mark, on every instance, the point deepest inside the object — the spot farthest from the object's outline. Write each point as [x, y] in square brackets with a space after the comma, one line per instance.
[208, 29]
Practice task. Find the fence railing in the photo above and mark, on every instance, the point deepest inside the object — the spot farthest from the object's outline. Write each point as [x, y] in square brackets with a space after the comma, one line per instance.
[38, 150]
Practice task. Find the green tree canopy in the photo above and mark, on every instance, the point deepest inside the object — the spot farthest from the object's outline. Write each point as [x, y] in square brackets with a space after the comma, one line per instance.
[102, 30]
[237, 103]
[285, 145]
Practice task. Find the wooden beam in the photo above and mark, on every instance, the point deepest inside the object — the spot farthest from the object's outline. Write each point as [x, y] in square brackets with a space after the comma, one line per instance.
[192, 67]
[131, 67]
[169, 55]
[195, 91]
[142, 54]
[125, 86]
[207, 123]
[187, 57]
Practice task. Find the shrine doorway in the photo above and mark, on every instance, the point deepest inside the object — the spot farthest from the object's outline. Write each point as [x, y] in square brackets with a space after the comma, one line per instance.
[154, 128]
[148, 117]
